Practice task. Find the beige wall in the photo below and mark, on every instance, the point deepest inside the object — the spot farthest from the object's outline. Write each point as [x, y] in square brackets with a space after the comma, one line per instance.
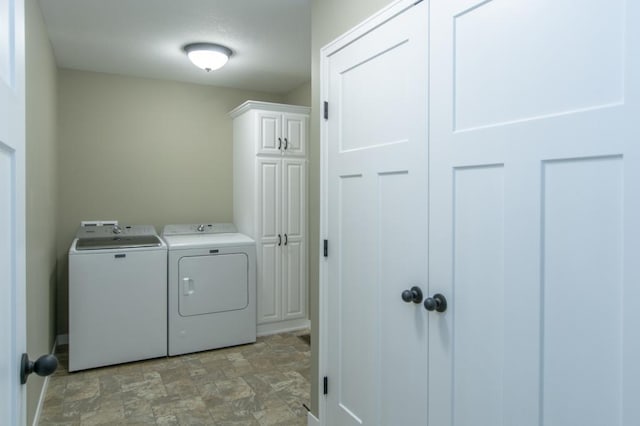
[301, 95]
[329, 19]
[141, 151]
[41, 165]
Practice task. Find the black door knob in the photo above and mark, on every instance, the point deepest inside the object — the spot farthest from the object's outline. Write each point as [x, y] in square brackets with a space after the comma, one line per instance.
[413, 295]
[436, 303]
[44, 366]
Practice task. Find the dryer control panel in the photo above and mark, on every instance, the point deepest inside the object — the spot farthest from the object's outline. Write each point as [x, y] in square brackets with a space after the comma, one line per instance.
[199, 228]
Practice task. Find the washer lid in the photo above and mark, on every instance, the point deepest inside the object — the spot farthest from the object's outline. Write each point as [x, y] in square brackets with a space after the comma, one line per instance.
[118, 242]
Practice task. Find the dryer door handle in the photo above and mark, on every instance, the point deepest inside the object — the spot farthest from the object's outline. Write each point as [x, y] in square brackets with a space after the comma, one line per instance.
[188, 286]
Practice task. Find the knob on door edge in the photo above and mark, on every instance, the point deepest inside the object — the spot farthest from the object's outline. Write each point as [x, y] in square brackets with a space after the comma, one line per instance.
[44, 366]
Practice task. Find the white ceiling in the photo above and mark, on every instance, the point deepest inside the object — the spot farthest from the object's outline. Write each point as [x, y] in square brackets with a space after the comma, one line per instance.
[270, 39]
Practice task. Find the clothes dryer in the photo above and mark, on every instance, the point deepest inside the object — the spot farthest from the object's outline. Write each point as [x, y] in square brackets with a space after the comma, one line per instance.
[211, 287]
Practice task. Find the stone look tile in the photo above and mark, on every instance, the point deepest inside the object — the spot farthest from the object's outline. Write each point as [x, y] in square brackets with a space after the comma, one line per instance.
[81, 389]
[182, 387]
[264, 383]
[278, 415]
[233, 389]
[137, 408]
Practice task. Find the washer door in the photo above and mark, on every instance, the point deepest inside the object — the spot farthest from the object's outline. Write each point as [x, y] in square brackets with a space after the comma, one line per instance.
[213, 283]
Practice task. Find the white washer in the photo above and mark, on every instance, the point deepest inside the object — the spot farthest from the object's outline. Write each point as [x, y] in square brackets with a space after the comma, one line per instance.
[117, 296]
[212, 287]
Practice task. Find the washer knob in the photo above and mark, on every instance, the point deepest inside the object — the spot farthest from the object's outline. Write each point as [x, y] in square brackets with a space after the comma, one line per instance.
[200, 228]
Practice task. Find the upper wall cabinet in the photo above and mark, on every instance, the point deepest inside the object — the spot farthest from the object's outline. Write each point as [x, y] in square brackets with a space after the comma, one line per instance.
[282, 129]
[282, 133]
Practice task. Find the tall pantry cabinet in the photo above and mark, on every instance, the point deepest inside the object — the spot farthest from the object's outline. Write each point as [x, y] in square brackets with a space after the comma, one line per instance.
[270, 205]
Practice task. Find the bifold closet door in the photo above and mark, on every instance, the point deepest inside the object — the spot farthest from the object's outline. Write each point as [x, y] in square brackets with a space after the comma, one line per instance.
[534, 212]
[377, 225]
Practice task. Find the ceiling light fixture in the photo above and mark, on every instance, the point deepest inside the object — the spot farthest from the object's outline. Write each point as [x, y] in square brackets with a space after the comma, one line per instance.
[207, 56]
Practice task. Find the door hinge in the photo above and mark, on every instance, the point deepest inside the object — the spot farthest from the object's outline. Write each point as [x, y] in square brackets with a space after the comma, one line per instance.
[326, 110]
[325, 385]
[326, 248]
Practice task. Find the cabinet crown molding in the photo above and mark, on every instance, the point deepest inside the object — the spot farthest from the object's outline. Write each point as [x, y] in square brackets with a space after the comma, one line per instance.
[269, 106]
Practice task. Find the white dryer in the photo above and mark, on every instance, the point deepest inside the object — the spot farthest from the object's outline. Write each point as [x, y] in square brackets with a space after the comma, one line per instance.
[212, 287]
[117, 296]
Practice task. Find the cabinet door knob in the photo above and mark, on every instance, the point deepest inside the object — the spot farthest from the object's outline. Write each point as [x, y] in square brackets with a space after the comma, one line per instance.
[279, 143]
[286, 144]
[286, 239]
[279, 239]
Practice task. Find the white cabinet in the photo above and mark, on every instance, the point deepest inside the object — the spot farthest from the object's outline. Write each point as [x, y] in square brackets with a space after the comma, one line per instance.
[270, 205]
[282, 133]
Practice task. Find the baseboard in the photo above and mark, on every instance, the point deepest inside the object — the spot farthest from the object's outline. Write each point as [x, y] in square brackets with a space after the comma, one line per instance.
[283, 327]
[43, 391]
[312, 420]
[62, 339]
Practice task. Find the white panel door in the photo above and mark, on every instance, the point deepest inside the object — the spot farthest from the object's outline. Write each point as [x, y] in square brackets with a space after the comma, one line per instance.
[12, 214]
[294, 265]
[295, 134]
[376, 225]
[535, 213]
[269, 132]
[269, 257]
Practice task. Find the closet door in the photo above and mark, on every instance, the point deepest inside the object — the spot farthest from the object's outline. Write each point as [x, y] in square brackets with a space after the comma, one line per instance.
[376, 206]
[270, 240]
[535, 213]
[294, 265]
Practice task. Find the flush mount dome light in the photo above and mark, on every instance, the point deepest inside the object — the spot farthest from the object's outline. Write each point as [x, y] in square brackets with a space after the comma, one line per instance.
[207, 56]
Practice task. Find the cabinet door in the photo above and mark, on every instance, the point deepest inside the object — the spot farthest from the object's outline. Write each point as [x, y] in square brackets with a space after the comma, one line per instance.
[269, 132]
[269, 240]
[294, 267]
[294, 129]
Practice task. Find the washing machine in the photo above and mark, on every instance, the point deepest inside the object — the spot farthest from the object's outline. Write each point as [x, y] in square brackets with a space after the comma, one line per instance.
[211, 287]
[117, 296]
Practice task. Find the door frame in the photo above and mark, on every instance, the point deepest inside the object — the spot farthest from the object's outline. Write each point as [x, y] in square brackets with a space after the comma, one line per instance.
[358, 31]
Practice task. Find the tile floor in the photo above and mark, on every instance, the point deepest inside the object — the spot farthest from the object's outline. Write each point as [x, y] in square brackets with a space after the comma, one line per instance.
[265, 383]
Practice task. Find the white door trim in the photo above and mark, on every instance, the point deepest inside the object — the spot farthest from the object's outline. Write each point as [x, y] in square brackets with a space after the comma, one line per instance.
[326, 52]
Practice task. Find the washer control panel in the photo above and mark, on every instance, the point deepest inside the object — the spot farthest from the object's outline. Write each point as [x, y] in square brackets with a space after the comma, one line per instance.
[106, 231]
